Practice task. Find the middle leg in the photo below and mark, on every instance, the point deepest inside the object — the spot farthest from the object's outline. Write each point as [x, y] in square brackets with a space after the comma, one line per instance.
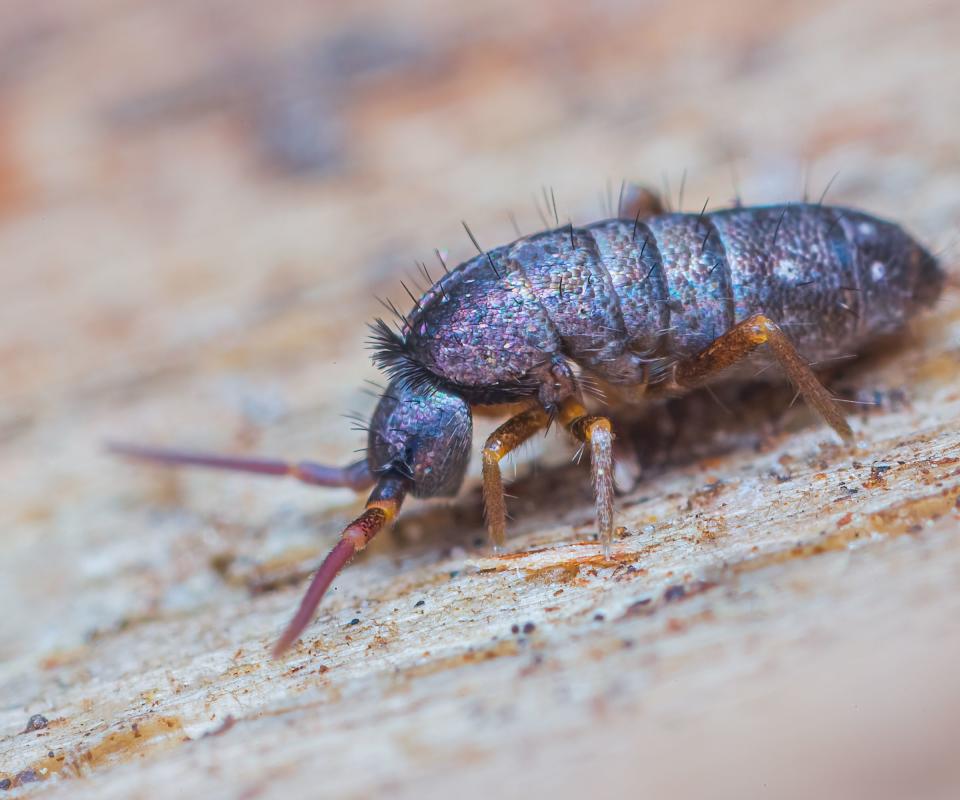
[595, 431]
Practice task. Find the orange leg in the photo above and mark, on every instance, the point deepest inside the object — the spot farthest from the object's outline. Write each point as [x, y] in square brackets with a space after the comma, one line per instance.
[738, 343]
[508, 437]
[596, 432]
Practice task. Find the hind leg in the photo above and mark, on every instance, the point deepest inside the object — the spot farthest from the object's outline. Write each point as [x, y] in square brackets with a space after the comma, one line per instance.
[738, 343]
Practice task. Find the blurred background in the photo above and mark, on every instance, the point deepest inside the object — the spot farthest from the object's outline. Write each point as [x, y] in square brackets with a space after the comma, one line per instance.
[201, 200]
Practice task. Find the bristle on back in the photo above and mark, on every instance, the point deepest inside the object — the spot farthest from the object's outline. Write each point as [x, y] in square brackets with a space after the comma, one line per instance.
[391, 354]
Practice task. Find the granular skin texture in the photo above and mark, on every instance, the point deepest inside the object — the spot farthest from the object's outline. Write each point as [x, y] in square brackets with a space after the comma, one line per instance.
[624, 299]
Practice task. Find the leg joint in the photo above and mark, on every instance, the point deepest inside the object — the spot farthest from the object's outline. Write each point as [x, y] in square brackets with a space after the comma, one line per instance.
[492, 452]
[586, 427]
[760, 328]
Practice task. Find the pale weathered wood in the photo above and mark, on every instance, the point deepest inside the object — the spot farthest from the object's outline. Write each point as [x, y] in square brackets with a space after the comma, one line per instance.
[781, 617]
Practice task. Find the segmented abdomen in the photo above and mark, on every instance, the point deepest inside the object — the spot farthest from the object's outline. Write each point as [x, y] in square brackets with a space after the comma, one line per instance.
[617, 294]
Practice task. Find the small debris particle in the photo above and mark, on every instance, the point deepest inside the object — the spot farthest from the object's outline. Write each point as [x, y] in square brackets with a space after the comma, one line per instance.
[529, 627]
[50, 753]
[419, 603]
[675, 592]
[535, 662]
[514, 628]
[621, 532]
[354, 621]
[877, 479]
[711, 528]
[640, 607]
[454, 573]
[845, 519]
[598, 617]
[228, 722]
[631, 569]
[36, 723]
[221, 563]
[27, 776]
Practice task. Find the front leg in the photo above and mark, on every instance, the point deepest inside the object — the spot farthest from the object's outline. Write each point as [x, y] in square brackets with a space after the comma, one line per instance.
[508, 437]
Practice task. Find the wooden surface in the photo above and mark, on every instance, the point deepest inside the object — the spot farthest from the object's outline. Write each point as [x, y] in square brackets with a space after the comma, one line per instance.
[198, 204]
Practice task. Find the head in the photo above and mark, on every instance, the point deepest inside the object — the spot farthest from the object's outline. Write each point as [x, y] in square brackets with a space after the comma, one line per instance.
[419, 443]
[423, 434]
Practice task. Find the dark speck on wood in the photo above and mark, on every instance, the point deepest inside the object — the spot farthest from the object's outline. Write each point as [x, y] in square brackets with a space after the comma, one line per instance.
[36, 723]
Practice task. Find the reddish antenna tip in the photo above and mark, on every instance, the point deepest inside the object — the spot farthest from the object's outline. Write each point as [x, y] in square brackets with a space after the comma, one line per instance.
[336, 560]
[358, 533]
